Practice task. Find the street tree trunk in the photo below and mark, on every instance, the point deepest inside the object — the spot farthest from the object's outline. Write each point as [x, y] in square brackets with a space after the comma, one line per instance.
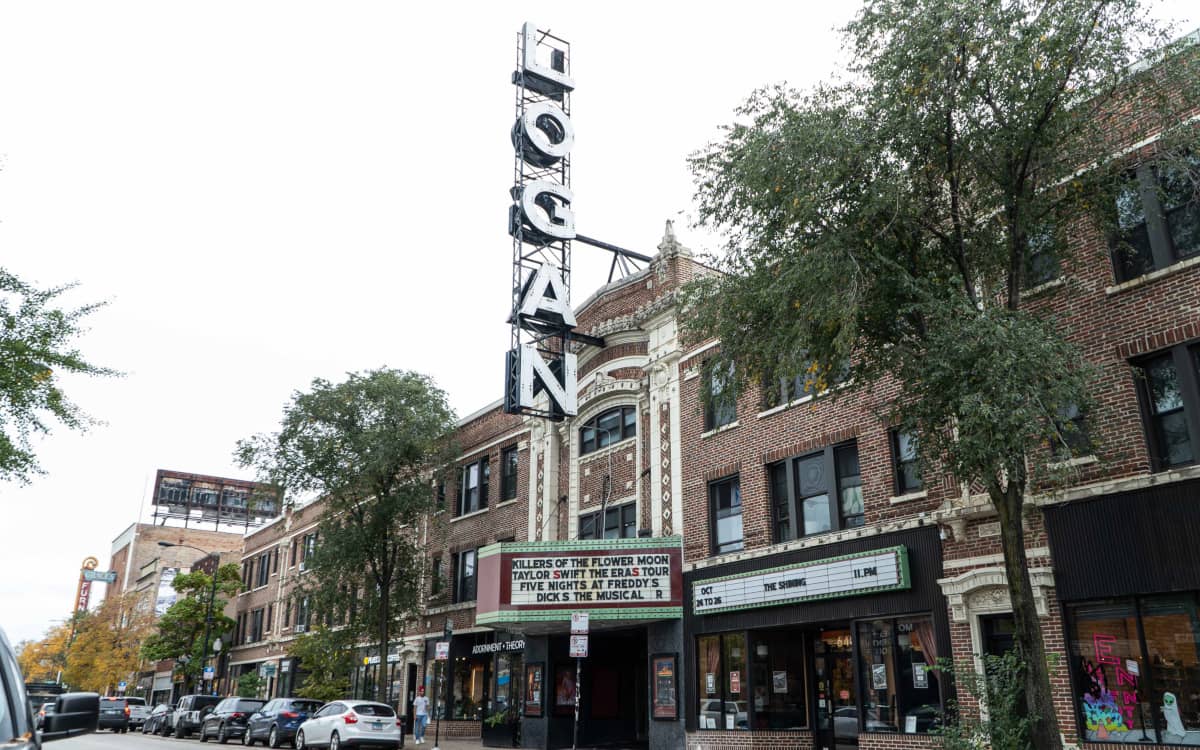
[384, 634]
[1009, 503]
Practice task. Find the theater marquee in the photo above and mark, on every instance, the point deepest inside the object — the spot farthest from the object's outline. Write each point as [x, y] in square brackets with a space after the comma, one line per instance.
[849, 575]
[611, 579]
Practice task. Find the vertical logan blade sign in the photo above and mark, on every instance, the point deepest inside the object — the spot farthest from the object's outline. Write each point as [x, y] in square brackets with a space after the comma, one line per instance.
[542, 226]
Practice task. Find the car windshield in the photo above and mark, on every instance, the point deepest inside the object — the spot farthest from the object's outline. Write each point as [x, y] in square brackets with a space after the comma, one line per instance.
[373, 709]
[306, 706]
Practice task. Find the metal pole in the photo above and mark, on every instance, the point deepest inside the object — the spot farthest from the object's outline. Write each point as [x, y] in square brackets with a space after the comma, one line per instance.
[437, 728]
[578, 689]
[208, 619]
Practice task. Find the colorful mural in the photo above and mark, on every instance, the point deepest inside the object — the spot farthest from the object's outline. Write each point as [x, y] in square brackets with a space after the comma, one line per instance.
[1106, 710]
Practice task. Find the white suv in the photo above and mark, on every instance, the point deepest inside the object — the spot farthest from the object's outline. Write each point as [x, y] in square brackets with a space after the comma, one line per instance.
[351, 723]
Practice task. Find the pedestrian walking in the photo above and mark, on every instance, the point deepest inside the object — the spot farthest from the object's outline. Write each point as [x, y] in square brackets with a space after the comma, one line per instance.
[420, 715]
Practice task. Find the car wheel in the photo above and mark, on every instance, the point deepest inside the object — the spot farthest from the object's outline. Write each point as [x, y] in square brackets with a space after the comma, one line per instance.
[246, 741]
[179, 733]
[273, 738]
[334, 742]
[298, 743]
[221, 736]
[203, 733]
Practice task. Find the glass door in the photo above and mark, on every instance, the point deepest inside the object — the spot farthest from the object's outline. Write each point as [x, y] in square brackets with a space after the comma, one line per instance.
[836, 711]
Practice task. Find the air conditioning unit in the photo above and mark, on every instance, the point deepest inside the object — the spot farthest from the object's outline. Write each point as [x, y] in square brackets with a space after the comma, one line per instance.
[300, 628]
[302, 567]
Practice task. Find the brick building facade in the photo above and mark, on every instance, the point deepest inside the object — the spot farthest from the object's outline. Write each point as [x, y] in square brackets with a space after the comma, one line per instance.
[811, 573]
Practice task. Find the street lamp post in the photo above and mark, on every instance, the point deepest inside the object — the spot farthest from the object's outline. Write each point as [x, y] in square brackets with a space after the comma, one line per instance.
[212, 598]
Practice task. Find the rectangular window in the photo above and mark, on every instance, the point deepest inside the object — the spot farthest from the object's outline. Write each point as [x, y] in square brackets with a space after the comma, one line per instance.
[725, 512]
[1171, 398]
[264, 569]
[1137, 668]
[256, 626]
[441, 495]
[275, 561]
[723, 684]
[473, 487]
[1041, 265]
[850, 497]
[270, 616]
[508, 473]
[464, 576]
[817, 493]
[904, 462]
[435, 576]
[303, 612]
[1072, 437]
[287, 615]
[720, 408]
[292, 553]
[901, 692]
[1158, 219]
[619, 522]
[777, 679]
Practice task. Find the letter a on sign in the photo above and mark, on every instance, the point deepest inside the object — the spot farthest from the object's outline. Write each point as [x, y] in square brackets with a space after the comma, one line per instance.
[536, 303]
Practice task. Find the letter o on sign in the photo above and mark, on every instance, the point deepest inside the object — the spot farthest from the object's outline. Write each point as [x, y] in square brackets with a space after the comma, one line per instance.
[544, 133]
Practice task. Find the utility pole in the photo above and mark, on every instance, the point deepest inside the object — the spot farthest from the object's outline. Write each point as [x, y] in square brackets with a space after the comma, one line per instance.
[442, 654]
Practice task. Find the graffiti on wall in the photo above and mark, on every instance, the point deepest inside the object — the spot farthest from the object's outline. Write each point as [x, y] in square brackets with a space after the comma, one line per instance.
[1108, 710]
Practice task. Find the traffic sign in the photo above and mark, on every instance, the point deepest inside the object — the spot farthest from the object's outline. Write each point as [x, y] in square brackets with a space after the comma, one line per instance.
[442, 650]
[121, 685]
[579, 646]
[579, 623]
[209, 673]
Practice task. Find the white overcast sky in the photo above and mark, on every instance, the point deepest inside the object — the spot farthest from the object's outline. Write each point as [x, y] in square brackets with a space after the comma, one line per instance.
[268, 192]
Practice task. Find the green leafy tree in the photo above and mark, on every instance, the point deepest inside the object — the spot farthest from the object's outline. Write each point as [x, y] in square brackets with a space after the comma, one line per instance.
[369, 448]
[327, 658]
[891, 221]
[1000, 686]
[181, 628]
[36, 352]
[249, 685]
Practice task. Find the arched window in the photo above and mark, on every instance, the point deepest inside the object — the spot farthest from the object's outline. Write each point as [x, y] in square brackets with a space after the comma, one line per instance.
[607, 427]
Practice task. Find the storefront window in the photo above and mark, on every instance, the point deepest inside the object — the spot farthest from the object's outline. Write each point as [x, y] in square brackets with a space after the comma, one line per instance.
[723, 686]
[778, 679]
[900, 691]
[469, 683]
[1125, 694]
[878, 674]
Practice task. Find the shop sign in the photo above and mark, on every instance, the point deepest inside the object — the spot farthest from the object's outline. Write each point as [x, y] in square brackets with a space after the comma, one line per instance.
[579, 623]
[605, 579]
[491, 648]
[848, 575]
[442, 650]
[579, 646]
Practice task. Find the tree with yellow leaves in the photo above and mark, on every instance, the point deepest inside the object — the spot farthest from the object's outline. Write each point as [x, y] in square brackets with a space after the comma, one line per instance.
[108, 643]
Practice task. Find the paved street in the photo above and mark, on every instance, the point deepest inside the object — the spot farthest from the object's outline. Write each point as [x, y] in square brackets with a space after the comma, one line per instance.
[138, 741]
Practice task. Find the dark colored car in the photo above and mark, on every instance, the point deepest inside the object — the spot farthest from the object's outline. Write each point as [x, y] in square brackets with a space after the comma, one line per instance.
[276, 723]
[229, 719]
[190, 713]
[157, 721]
[74, 713]
[113, 714]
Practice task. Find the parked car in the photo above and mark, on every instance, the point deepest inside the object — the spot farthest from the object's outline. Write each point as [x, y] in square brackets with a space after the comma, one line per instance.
[156, 722]
[137, 711]
[190, 713]
[113, 714]
[74, 713]
[228, 719]
[276, 723]
[46, 709]
[350, 723]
